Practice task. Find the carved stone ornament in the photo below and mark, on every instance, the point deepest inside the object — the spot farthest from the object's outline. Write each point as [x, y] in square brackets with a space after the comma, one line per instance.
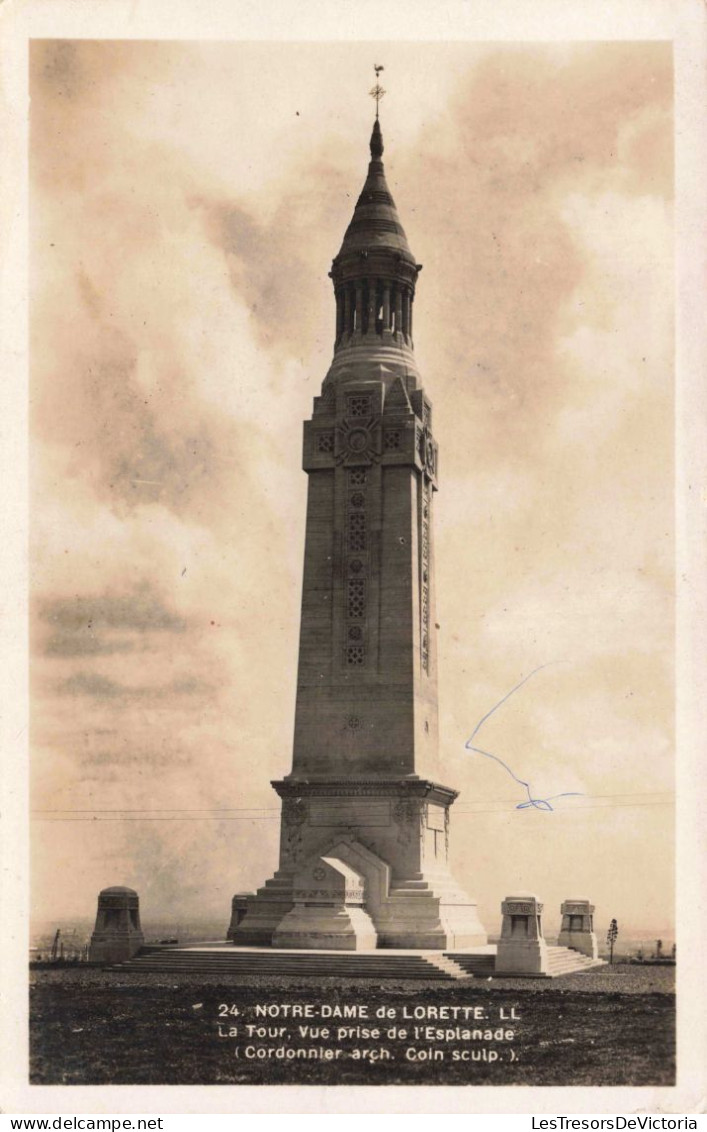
[349, 895]
[428, 451]
[325, 442]
[294, 815]
[409, 816]
[358, 441]
[294, 811]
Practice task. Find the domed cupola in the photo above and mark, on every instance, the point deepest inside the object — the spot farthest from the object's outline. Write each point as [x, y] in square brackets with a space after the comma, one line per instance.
[374, 277]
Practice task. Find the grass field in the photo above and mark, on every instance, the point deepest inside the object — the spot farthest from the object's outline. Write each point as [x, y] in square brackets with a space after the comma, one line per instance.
[613, 1026]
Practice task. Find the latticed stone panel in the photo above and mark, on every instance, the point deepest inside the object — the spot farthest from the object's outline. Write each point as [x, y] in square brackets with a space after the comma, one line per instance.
[357, 532]
[392, 439]
[356, 598]
[356, 565]
[426, 504]
[359, 405]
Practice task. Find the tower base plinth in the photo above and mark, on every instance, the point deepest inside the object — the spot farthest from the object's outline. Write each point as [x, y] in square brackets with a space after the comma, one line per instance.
[380, 848]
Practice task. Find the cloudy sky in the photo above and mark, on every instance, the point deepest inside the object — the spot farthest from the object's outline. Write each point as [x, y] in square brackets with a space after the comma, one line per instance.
[187, 200]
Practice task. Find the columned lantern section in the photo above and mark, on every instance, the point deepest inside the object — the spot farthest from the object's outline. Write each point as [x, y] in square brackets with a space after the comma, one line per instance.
[364, 807]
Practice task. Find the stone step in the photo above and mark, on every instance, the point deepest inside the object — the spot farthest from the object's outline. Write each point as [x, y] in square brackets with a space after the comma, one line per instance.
[281, 963]
[317, 969]
[276, 957]
[317, 972]
[437, 888]
[575, 960]
[322, 964]
[564, 961]
[444, 965]
[448, 965]
[287, 965]
[480, 966]
[567, 961]
[346, 957]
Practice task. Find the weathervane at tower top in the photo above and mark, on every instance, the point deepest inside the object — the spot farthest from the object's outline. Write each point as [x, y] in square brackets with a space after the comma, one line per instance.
[377, 91]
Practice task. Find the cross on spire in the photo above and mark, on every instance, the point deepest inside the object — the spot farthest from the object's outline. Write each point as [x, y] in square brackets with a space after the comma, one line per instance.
[377, 91]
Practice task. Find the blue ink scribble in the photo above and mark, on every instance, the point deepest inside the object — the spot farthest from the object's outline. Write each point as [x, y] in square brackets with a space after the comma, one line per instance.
[531, 802]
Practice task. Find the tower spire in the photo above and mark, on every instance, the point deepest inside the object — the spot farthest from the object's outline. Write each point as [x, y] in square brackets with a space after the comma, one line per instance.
[377, 91]
[376, 141]
[374, 277]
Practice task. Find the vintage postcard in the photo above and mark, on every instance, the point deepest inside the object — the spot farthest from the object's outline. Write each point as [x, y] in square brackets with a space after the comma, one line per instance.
[360, 451]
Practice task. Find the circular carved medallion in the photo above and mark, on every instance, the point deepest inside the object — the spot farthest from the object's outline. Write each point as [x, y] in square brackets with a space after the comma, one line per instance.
[358, 439]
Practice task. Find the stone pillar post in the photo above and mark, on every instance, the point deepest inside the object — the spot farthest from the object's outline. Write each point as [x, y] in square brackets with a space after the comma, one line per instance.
[522, 949]
[359, 308]
[239, 907]
[577, 929]
[386, 305]
[339, 317]
[398, 310]
[372, 312]
[117, 935]
[347, 310]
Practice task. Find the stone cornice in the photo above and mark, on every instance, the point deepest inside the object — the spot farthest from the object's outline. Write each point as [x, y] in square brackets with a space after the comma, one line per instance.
[366, 787]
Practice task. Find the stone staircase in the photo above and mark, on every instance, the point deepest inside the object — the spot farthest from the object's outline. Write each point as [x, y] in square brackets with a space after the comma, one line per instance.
[480, 966]
[223, 960]
[567, 961]
[449, 965]
[311, 964]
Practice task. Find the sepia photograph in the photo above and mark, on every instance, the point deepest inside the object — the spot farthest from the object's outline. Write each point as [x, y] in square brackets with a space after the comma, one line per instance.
[354, 740]
[352, 631]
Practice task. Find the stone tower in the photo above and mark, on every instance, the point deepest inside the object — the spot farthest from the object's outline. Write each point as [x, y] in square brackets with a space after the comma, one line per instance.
[365, 819]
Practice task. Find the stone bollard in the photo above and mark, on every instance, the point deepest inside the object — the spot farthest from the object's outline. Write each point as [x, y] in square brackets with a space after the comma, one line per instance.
[577, 929]
[117, 934]
[522, 949]
[239, 907]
